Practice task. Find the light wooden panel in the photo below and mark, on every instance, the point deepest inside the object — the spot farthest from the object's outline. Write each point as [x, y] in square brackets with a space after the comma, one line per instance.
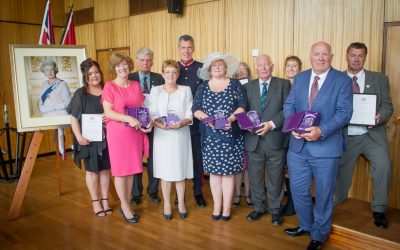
[339, 23]
[78, 4]
[263, 25]
[149, 30]
[101, 35]
[392, 66]
[205, 22]
[107, 10]
[392, 10]
[85, 35]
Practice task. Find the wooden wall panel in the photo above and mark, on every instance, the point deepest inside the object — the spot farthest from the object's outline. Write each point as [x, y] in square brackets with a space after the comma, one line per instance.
[392, 10]
[107, 10]
[205, 22]
[148, 30]
[85, 35]
[101, 35]
[8, 10]
[118, 33]
[78, 4]
[339, 23]
[263, 25]
[392, 70]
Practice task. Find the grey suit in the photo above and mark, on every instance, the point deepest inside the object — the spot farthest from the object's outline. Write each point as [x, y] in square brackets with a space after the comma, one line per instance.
[152, 187]
[373, 145]
[268, 152]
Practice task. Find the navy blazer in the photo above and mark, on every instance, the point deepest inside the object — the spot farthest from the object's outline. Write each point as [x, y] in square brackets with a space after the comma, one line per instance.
[334, 102]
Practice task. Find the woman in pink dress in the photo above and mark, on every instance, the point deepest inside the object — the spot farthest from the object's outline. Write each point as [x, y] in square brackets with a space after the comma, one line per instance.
[125, 137]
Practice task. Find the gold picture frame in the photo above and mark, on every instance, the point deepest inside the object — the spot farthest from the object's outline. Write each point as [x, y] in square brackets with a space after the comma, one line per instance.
[30, 83]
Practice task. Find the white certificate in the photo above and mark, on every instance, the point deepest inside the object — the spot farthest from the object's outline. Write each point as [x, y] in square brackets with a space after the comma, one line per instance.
[92, 127]
[364, 109]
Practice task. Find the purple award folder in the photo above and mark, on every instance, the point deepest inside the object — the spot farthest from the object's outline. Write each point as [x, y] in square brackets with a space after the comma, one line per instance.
[300, 121]
[219, 121]
[171, 118]
[249, 121]
[142, 114]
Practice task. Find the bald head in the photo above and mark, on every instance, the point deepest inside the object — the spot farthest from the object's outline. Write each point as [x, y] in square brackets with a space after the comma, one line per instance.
[264, 67]
[321, 57]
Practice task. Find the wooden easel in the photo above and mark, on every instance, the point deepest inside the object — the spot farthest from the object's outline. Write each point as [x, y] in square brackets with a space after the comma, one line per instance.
[27, 172]
[25, 176]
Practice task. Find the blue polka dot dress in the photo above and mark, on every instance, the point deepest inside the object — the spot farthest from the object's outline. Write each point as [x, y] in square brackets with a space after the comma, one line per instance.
[222, 150]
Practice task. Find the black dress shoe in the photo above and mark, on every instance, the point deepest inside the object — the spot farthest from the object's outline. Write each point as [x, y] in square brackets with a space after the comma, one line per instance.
[296, 231]
[380, 220]
[276, 220]
[183, 215]
[225, 218]
[168, 216]
[314, 245]
[253, 216]
[200, 201]
[154, 198]
[216, 217]
[134, 219]
[135, 200]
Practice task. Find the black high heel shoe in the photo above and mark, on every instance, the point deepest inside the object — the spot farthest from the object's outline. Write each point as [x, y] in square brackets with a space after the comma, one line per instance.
[215, 217]
[107, 211]
[183, 215]
[134, 219]
[168, 216]
[225, 218]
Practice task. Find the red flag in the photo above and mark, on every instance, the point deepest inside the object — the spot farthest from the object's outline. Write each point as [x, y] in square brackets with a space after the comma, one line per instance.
[47, 34]
[68, 36]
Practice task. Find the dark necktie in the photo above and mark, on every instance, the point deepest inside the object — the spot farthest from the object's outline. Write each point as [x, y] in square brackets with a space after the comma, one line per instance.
[264, 94]
[356, 87]
[146, 88]
[314, 92]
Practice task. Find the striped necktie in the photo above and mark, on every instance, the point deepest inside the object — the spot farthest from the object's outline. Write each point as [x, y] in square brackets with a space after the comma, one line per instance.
[146, 88]
[356, 87]
[314, 92]
[264, 94]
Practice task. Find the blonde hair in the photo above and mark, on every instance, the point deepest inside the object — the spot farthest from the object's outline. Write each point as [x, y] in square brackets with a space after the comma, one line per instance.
[117, 58]
[170, 63]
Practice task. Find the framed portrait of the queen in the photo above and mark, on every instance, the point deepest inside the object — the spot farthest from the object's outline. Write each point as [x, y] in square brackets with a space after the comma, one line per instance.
[45, 77]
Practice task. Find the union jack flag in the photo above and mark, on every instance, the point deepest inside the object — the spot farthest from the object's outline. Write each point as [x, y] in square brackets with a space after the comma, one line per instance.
[47, 34]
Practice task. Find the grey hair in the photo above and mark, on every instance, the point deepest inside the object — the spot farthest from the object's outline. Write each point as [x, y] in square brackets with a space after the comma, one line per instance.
[185, 38]
[144, 51]
[268, 56]
[50, 62]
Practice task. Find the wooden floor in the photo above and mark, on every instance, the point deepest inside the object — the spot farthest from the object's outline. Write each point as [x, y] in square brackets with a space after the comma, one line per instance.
[67, 222]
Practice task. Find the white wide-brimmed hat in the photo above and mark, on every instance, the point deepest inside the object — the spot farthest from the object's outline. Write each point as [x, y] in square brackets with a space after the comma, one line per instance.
[231, 61]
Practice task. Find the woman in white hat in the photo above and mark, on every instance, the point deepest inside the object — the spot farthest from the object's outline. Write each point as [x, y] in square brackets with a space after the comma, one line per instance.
[222, 148]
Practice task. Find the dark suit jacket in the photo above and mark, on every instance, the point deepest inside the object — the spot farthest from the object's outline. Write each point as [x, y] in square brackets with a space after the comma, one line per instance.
[334, 102]
[278, 91]
[155, 78]
[377, 83]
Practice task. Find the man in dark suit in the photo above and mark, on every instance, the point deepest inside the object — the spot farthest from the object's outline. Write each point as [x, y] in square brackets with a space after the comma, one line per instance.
[266, 149]
[188, 77]
[315, 154]
[147, 79]
[370, 141]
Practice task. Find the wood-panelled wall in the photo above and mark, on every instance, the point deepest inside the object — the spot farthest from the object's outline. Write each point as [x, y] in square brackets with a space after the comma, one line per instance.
[277, 27]
[20, 23]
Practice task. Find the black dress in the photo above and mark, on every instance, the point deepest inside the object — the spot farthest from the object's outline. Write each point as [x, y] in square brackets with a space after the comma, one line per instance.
[95, 155]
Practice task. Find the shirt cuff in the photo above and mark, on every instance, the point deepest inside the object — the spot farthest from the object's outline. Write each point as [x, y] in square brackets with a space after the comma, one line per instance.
[272, 125]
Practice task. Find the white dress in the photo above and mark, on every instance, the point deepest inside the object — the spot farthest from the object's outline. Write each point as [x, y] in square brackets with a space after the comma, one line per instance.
[172, 148]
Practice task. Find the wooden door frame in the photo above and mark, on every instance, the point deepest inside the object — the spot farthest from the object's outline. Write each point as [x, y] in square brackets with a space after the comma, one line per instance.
[111, 49]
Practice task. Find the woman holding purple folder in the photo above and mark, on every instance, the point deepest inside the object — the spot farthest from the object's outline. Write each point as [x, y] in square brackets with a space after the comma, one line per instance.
[126, 139]
[222, 148]
[170, 108]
